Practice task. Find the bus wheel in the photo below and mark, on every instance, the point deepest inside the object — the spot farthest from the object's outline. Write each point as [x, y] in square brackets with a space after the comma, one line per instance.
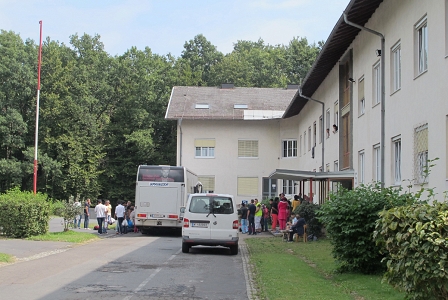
[185, 248]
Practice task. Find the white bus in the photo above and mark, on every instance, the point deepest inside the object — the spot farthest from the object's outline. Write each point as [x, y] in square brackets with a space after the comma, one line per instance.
[160, 192]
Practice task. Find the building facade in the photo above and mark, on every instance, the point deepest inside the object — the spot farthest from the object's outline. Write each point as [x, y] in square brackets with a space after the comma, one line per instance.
[347, 79]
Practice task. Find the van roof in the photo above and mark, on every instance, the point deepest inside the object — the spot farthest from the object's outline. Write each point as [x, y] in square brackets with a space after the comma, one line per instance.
[212, 194]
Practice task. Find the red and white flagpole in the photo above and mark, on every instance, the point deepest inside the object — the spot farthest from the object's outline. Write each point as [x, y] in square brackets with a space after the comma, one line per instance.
[39, 58]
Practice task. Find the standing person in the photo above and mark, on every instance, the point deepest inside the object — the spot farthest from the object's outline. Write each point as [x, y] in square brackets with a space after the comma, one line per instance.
[295, 203]
[251, 216]
[133, 219]
[120, 211]
[243, 218]
[258, 216]
[265, 218]
[86, 213]
[108, 214]
[274, 213]
[77, 217]
[283, 213]
[100, 211]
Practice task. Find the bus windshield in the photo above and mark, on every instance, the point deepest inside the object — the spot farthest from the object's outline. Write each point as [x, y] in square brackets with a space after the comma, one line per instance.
[161, 174]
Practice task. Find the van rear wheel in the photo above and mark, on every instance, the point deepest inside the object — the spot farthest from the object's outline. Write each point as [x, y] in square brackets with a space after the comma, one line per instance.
[234, 249]
[185, 248]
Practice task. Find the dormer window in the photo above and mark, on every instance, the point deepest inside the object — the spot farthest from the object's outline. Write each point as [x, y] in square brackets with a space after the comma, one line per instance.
[240, 106]
[202, 106]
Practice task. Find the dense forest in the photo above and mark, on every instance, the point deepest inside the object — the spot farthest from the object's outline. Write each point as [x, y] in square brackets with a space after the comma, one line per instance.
[101, 115]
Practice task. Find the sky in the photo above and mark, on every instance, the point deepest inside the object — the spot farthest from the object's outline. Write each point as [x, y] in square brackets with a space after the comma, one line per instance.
[165, 25]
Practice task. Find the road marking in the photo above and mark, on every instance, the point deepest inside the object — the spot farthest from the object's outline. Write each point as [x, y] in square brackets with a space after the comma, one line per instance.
[41, 255]
[172, 256]
[145, 282]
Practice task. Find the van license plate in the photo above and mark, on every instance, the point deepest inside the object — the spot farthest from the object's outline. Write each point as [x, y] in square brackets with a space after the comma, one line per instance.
[204, 225]
[157, 216]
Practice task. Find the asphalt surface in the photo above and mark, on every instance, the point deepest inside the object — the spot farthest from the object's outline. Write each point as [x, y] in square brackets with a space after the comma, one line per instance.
[25, 250]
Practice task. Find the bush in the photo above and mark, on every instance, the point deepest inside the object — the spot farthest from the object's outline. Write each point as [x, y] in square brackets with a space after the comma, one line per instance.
[309, 211]
[349, 217]
[68, 211]
[416, 240]
[23, 214]
[56, 207]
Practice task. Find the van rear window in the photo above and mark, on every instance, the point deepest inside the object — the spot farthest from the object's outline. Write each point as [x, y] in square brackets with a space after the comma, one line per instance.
[215, 205]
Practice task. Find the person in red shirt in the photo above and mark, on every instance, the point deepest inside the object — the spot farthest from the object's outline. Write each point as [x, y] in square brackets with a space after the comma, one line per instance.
[265, 218]
[283, 212]
[274, 213]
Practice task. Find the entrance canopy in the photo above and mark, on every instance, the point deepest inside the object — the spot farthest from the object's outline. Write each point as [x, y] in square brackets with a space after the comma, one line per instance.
[299, 175]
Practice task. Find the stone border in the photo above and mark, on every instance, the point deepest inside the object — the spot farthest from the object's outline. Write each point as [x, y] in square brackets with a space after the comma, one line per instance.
[248, 272]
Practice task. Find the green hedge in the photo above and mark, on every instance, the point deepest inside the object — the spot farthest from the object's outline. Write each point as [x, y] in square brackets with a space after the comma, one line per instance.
[309, 212]
[415, 238]
[23, 214]
[350, 217]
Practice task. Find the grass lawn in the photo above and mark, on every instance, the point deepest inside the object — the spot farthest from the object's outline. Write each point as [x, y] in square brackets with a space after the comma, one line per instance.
[67, 236]
[6, 258]
[306, 271]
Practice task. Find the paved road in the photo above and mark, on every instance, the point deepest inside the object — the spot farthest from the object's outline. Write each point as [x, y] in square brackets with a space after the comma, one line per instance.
[128, 267]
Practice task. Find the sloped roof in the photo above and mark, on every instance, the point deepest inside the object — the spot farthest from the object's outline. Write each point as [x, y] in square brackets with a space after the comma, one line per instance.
[342, 35]
[221, 102]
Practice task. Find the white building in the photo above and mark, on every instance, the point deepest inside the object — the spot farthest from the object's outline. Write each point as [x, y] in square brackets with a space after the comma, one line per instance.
[229, 136]
[346, 77]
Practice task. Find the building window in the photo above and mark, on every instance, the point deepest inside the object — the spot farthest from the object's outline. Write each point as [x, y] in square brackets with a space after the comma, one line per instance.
[327, 123]
[336, 113]
[421, 153]
[204, 148]
[321, 127]
[269, 187]
[336, 166]
[304, 142]
[309, 138]
[346, 141]
[247, 186]
[396, 67]
[376, 83]
[361, 97]
[421, 31]
[361, 167]
[314, 133]
[247, 148]
[327, 168]
[397, 159]
[290, 148]
[446, 29]
[288, 187]
[377, 163]
[208, 183]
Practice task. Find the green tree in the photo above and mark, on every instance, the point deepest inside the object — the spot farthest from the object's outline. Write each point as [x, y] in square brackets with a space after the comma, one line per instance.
[201, 56]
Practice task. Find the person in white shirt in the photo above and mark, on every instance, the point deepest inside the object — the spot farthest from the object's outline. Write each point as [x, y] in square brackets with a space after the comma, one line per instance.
[120, 211]
[101, 211]
[78, 217]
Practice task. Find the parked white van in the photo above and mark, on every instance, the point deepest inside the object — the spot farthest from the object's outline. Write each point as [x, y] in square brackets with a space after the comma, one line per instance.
[210, 220]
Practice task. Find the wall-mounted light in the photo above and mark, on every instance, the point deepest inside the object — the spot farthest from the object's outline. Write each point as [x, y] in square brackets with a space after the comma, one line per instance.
[378, 52]
[351, 80]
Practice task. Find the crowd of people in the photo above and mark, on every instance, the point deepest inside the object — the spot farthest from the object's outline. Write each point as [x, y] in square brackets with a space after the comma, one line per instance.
[255, 216]
[124, 216]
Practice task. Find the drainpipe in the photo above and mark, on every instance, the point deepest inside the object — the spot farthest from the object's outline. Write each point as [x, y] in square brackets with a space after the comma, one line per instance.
[179, 123]
[383, 90]
[323, 122]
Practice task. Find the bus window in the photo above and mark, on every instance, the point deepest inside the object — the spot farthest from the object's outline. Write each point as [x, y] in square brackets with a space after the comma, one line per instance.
[161, 174]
